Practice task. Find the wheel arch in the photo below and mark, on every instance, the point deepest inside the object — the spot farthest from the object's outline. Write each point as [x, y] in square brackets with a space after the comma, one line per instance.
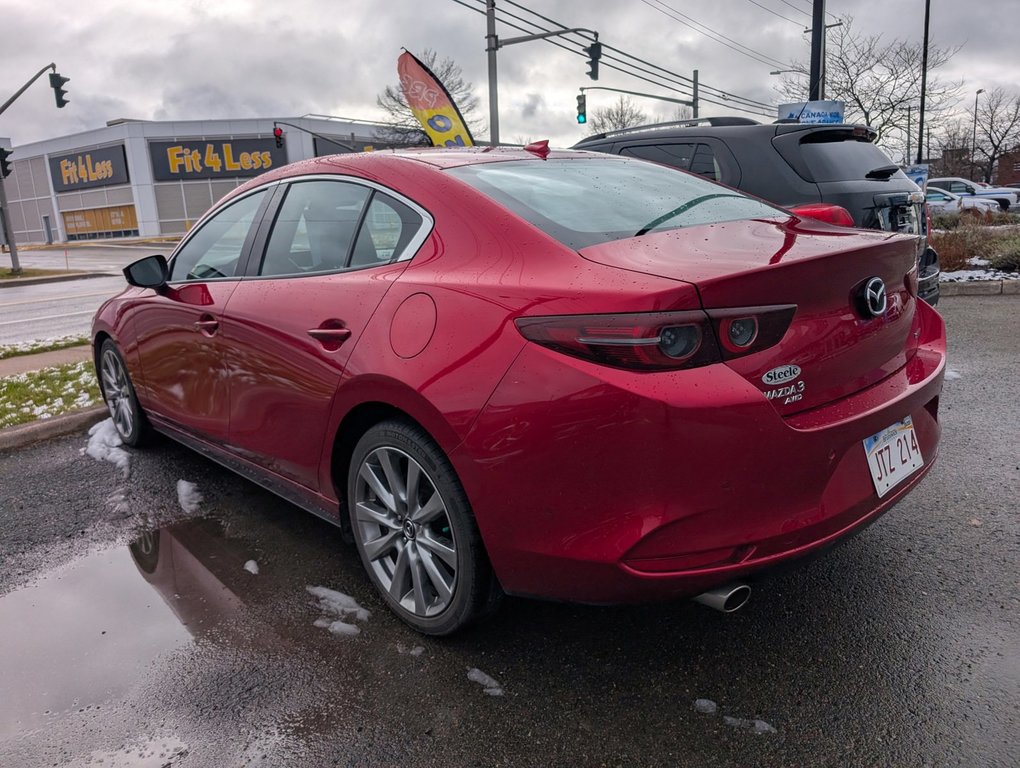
[361, 417]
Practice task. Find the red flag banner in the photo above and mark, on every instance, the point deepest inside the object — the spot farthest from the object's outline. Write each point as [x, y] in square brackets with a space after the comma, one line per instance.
[431, 104]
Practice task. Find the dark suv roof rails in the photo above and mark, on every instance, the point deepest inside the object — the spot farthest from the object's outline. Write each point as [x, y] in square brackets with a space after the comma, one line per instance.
[713, 121]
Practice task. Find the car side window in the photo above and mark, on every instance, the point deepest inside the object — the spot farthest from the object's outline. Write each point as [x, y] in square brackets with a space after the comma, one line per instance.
[704, 164]
[388, 228]
[676, 155]
[315, 228]
[214, 251]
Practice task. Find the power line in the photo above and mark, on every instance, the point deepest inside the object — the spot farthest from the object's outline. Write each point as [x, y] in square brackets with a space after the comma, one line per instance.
[798, 10]
[711, 34]
[737, 103]
[674, 75]
[777, 13]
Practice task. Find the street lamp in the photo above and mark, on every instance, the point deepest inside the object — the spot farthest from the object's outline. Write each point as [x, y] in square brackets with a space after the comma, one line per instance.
[973, 136]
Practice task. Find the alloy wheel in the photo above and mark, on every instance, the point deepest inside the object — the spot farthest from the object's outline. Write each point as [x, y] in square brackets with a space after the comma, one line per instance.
[117, 390]
[403, 526]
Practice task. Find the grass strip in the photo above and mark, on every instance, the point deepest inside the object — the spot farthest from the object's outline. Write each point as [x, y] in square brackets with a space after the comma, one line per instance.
[48, 392]
[7, 274]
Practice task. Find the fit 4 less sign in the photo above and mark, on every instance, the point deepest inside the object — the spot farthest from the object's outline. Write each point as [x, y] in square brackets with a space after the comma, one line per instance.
[215, 158]
[85, 170]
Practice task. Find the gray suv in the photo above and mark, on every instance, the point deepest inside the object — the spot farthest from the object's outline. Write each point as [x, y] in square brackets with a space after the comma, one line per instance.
[791, 164]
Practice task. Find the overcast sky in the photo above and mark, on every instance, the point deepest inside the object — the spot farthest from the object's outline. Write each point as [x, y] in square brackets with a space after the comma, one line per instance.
[200, 59]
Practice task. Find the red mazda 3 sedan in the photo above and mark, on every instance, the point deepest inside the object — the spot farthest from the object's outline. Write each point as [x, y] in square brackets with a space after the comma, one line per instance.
[562, 375]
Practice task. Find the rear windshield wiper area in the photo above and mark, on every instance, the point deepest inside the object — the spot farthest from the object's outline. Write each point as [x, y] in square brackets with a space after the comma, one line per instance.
[882, 172]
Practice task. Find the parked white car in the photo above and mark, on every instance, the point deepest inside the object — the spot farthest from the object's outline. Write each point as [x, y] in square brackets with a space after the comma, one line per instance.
[1004, 196]
[942, 202]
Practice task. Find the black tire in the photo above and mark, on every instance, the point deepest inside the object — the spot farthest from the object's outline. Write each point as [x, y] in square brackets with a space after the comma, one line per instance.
[119, 396]
[427, 558]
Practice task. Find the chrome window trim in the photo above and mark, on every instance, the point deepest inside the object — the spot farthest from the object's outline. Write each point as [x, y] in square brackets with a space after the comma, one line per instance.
[428, 223]
[267, 187]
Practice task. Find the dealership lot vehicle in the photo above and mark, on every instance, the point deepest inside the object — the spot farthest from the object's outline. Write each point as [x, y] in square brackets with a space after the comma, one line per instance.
[561, 375]
[833, 172]
[940, 202]
[1004, 197]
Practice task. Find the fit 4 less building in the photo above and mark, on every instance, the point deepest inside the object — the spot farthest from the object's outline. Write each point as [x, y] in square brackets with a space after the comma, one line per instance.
[146, 178]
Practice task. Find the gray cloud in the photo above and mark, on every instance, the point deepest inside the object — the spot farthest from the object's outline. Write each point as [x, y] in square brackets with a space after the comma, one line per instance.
[242, 58]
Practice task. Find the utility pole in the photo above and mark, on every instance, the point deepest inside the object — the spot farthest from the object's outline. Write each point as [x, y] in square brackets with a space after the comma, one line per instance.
[908, 133]
[924, 80]
[493, 44]
[694, 96]
[816, 82]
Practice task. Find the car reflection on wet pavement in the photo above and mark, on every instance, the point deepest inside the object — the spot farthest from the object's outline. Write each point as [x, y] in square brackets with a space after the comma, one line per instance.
[136, 633]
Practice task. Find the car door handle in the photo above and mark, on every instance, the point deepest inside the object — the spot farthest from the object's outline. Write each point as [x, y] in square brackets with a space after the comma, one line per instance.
[207, 325]
[330, 338]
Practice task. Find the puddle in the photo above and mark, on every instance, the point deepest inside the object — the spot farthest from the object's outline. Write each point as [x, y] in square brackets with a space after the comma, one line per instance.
[80, 636]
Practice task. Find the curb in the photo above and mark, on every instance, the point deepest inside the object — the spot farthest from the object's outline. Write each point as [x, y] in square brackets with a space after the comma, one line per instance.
[980, 288]
[13, 438]
[16, 282]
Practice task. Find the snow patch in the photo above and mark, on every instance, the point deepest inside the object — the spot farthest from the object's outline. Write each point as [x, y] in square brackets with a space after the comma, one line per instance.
[758, 726]
[706, 706]
[252, 567]
[970, 275]
[417, 650]
[335, 604]
[952, 375]
[188, 496]
[337, 627]
[105, 445]
[491, 686]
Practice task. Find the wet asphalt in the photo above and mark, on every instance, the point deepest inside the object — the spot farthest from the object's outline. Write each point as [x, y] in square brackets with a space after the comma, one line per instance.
[131, 633]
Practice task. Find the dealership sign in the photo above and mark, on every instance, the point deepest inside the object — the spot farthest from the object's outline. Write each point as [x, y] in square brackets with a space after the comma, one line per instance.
[813, 112]
[213, 159]
[86, 170]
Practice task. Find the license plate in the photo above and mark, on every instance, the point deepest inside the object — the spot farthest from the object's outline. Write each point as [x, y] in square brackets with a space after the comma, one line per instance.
[893, 455]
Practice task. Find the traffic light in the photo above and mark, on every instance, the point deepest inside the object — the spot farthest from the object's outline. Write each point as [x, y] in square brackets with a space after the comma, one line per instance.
[278, 134]
[582, 109]
[594, 52]
[57, 84]
[5, 164]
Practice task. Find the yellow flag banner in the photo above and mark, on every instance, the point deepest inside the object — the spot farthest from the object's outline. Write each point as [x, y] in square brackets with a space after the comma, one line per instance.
[431, 104]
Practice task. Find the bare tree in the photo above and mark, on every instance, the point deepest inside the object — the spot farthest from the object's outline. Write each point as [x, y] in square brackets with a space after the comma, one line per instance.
[879, 80]
[402, 128]
[953, 149]
[998, 129]
[622, 114]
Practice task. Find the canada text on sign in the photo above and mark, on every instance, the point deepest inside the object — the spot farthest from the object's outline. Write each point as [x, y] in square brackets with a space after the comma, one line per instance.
[215, 158]
[91, 168]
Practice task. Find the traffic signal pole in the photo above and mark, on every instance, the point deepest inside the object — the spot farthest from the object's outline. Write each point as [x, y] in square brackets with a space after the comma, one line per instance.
[57, 83]
[493, 44]
[8, 231]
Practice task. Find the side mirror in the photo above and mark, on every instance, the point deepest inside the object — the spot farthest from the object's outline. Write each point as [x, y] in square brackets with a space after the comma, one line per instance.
[150, 272]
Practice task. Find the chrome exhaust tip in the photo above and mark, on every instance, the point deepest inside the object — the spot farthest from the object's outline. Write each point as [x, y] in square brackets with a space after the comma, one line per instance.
[727, 599]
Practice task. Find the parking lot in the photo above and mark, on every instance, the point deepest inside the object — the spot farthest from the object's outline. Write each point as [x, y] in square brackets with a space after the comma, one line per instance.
[147, 627]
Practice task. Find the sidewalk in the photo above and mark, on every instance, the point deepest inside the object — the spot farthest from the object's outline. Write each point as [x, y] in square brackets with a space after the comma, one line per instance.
[12, 366]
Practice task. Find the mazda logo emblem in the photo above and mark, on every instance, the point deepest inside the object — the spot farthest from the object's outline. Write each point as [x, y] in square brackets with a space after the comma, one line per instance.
[873, 298]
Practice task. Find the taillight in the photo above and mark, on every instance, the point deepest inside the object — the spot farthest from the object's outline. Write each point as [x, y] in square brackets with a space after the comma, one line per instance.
[660, 341]
[831, 214]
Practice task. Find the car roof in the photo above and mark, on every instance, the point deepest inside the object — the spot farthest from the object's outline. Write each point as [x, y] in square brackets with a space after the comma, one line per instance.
[727, 128]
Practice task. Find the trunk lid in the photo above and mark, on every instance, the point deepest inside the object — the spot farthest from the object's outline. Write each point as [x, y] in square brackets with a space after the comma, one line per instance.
[834, 346]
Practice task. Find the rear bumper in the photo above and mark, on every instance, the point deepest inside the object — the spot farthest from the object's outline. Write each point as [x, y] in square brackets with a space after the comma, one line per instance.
[596, 485]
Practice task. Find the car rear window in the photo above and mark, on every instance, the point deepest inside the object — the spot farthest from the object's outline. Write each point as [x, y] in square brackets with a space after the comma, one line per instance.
[583, 202]
[837, 157]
